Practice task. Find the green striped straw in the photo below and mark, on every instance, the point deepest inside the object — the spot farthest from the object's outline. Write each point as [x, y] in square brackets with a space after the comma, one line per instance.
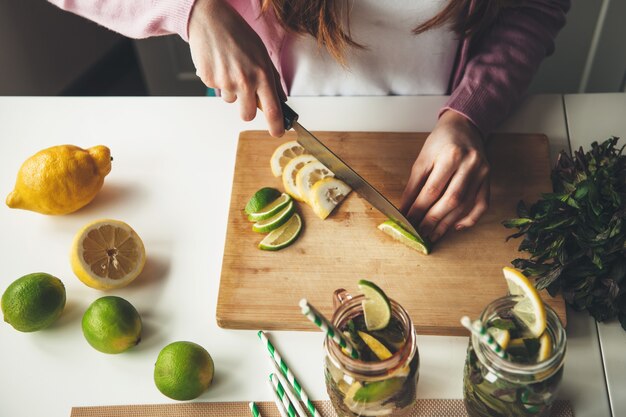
[254, 409]
[284, 370]
[283, 396]
[277, 400]
[324, 324]
[481, 332]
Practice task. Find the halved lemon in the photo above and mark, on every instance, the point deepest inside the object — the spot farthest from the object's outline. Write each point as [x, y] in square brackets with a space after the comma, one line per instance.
[283, 154]
[291, 170]
[107, 254]
[326, 194]
[529, 308]
[284, 236]
[309, 175]
[398, 232]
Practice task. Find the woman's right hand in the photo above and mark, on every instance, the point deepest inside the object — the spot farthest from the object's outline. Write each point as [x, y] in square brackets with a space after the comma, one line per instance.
[229, 55]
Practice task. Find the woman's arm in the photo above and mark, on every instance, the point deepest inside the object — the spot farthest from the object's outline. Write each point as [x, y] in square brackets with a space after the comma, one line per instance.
[501, 64]
[134, 18]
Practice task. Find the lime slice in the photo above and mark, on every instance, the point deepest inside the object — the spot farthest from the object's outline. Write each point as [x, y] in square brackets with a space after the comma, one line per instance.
[271, 209]
[378, 391]
[378, 348]
[261, 198]
[274, 222]
[284, 236]
[376, 306]
[397, 232]
[529, 308]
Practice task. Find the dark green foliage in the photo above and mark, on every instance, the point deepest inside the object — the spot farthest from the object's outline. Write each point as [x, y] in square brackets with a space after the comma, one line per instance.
[576, 236]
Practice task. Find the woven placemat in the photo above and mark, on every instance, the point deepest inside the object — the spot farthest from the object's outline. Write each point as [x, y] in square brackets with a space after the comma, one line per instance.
[423, 408]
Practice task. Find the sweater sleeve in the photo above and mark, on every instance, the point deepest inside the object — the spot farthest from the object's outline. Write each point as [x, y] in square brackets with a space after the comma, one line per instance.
[502, 63]
[134, 18]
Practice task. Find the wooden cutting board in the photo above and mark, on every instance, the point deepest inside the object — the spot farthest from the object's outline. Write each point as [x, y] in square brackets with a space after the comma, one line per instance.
[261, 290]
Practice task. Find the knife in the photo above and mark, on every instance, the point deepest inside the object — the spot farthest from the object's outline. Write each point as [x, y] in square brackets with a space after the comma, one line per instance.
[343, 171]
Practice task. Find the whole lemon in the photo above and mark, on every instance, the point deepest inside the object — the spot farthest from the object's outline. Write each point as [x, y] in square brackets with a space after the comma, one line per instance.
[183, 370]
[60, 179]
[112, 325]
[33, 302]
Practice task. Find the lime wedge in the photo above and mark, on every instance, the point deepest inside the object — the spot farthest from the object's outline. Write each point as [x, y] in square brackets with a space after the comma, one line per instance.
[261, 198]
[397, 232]
[376, 306]
[274, 222]
[378, 348]
[529, 308]
[271, 209]
[378, 391]
[284, 236]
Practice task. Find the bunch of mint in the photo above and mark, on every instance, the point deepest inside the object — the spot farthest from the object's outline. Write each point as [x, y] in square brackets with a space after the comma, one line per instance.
[576, 236]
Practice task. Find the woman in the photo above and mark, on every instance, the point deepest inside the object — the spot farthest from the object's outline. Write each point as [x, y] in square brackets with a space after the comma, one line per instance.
[481, 52]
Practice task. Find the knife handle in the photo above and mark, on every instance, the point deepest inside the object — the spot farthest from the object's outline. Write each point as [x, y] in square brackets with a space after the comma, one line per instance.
[289, 116]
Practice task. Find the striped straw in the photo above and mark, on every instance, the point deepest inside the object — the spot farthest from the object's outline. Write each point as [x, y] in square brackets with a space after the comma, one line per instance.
[283, 397]
[331, 332]
[284, 370]
[481, 332]
[254, 409]
[277, 400]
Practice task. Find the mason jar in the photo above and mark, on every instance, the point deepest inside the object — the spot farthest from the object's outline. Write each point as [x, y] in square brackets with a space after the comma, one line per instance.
[376, 388]
[494, 387]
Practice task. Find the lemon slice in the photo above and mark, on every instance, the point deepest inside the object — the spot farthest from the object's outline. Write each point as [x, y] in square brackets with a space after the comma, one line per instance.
[283, 154]
[308, 176]
[501, 336]
[291, 170]
[378, 348]
[529, 308]
[107, 254]
[326, 194]
[271, 209]
[274, 222]
[545, 347]
[397, 232]
[284, 236]
[376, 306]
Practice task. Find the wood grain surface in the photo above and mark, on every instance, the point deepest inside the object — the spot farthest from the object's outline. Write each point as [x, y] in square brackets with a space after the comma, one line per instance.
[261, 290]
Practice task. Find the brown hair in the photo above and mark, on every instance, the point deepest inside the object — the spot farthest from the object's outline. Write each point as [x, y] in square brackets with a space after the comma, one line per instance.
[323, 19]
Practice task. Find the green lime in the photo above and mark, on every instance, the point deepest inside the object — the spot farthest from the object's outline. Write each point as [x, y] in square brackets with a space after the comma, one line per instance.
[183, 370]
[284, 236]
[274, 222]
[271, 209]
[112, 325]
[378, 390]
[261, 198]
[33, 302]
[376, 306]
[396, 231]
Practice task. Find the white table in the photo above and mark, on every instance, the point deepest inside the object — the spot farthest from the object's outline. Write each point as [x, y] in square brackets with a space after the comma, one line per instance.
[595, 117]
[171, 181]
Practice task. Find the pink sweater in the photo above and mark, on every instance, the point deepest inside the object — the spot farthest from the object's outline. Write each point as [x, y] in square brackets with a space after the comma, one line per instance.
[490, 75]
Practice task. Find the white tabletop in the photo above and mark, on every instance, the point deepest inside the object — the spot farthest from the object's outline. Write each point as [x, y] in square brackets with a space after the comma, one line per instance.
[171, 180]
[595, 117]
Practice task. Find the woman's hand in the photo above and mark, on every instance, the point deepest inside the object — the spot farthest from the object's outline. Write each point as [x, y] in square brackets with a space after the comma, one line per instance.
[449, 181]
[229, 55]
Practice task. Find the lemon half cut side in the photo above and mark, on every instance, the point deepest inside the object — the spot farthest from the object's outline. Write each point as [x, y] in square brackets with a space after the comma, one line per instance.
[107, 254]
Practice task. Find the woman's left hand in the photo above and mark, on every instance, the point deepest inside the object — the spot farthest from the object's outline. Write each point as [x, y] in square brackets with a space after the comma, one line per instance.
[449, 181]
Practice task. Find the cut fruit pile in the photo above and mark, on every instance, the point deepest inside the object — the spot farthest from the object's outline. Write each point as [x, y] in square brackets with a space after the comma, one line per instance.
[306, 179]
[274, 213]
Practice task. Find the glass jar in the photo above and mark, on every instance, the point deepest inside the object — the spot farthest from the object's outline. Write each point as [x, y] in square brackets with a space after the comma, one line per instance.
[494, 387]
[384, 387]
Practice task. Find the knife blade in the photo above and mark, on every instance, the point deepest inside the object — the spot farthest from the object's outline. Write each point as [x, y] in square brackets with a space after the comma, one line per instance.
[343, 170]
